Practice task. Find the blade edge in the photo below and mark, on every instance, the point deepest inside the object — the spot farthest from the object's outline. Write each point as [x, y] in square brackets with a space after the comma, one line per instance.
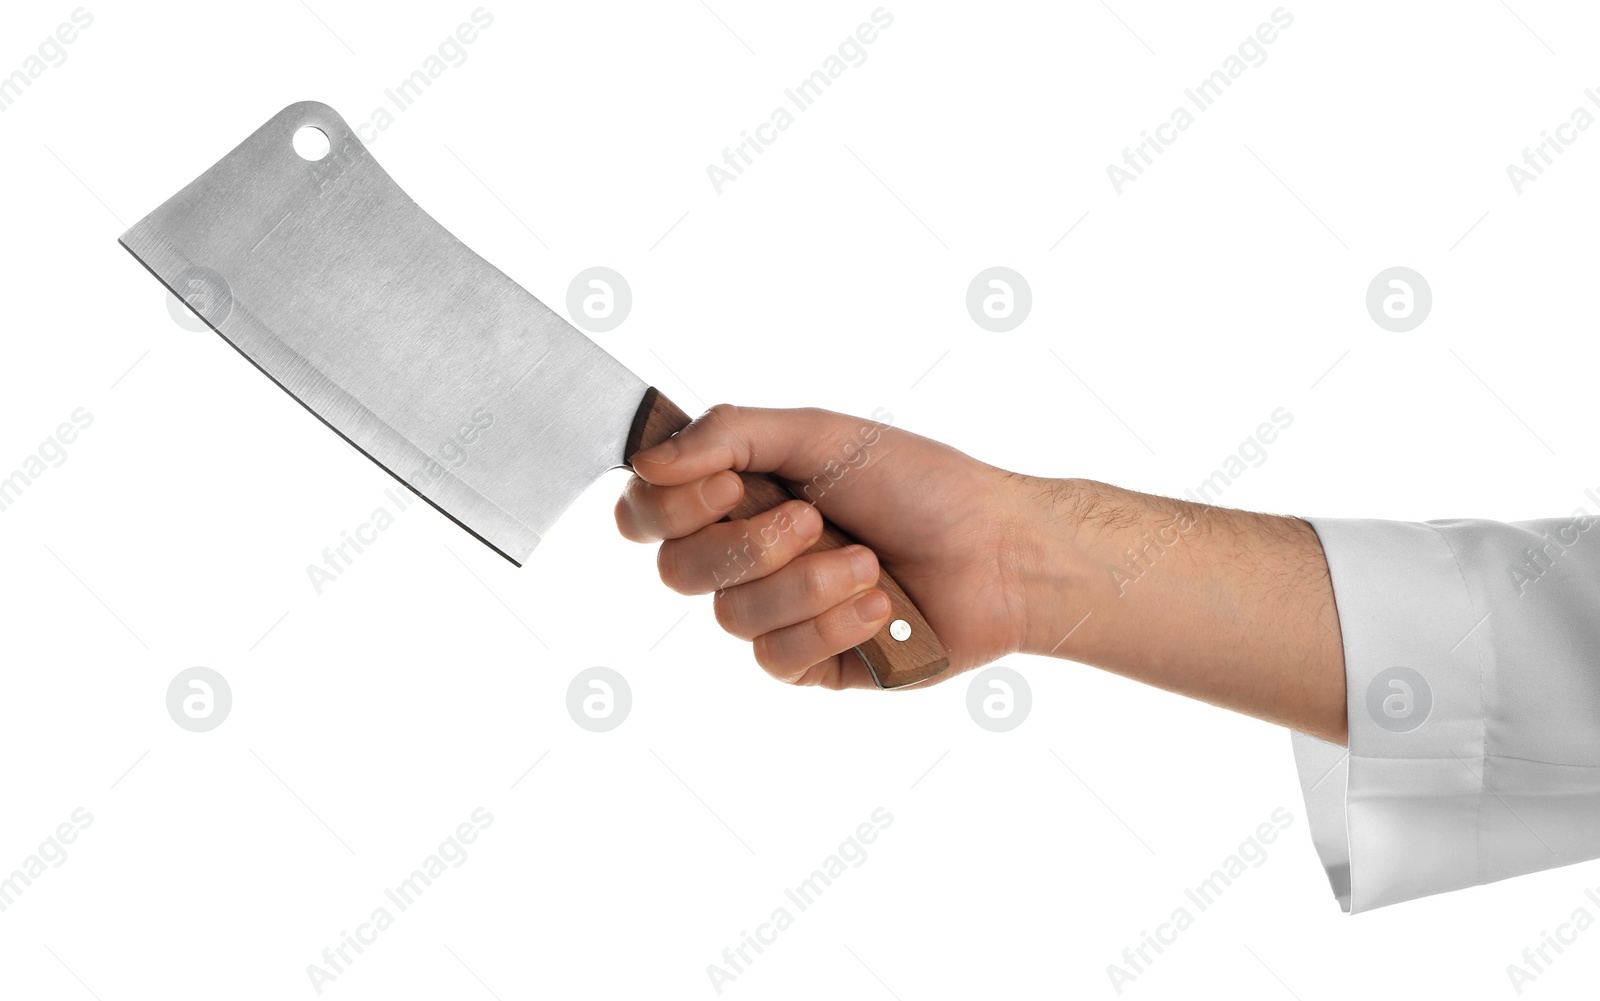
[152, 242]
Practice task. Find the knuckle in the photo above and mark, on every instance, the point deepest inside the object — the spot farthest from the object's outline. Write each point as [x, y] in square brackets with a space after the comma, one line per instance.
[768, 558]
[627, 513]
[777, 536]
[672, 565]
[833, 632]
[670, 522]
[774, 560]
[727, 607]
[722, 423]
[816, 584]
[624, 515]
[834, 679]
[769, 653]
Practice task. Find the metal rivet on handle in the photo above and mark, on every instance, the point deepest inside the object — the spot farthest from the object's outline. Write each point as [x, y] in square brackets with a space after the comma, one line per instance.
[900, 629]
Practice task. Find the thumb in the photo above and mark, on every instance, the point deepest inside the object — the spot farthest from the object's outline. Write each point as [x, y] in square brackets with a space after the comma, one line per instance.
[792, 444]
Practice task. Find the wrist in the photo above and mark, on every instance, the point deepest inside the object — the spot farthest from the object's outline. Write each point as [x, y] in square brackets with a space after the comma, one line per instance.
[1095, 544]
[1056, 564]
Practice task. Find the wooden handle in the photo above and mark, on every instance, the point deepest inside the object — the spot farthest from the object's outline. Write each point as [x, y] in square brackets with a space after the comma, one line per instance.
[904, 652]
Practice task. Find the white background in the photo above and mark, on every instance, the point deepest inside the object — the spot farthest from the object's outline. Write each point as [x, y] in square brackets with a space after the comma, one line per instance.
[370, 720]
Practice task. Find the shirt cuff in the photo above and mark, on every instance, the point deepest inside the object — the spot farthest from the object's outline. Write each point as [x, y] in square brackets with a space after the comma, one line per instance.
[1415, 704]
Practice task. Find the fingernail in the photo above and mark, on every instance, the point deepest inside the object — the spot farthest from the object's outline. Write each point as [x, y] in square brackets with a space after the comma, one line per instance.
[660, 454]
[872, 606]
[863, 564]
[721, 491]
[808, 520]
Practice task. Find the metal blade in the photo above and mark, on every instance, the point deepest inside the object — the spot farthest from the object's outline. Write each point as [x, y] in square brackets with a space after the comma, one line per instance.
[423, 355]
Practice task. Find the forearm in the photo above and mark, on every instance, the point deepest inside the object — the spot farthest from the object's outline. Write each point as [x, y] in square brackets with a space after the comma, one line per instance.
[1229, 607]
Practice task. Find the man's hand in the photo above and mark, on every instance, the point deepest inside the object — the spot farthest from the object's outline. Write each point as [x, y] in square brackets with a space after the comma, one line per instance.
[948, 527]
[1230, 607]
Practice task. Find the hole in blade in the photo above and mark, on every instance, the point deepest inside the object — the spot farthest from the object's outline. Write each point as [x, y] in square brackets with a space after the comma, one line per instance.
[311, 143]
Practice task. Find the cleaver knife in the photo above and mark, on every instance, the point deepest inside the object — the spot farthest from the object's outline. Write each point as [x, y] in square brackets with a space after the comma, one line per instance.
[337, 286]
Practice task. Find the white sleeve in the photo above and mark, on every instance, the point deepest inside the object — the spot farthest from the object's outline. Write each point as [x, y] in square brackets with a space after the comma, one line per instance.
[1472, 671]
